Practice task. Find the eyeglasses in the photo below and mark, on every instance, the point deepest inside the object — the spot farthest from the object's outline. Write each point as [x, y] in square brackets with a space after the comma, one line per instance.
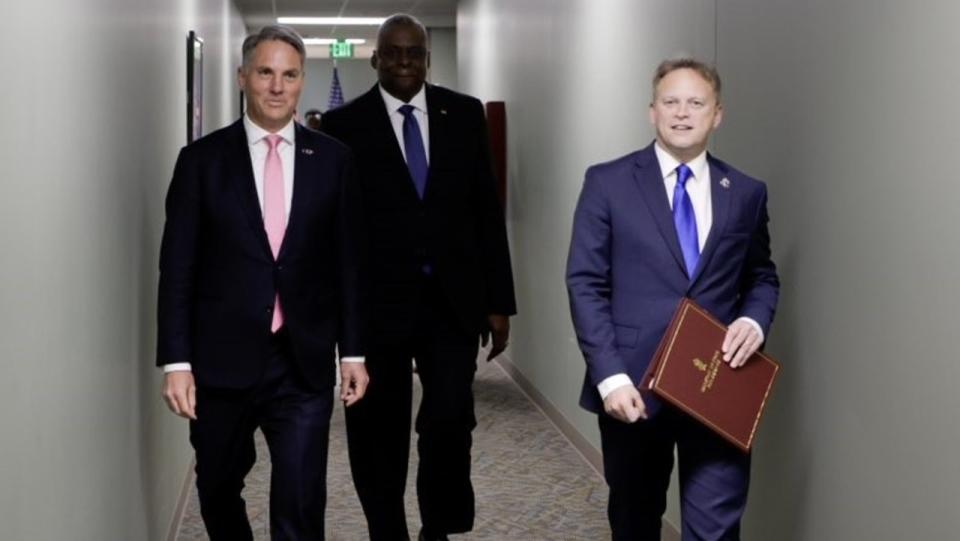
[394, 54]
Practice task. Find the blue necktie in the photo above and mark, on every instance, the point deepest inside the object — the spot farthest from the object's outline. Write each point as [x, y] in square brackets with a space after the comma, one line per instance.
[413, 147]
[685, 221]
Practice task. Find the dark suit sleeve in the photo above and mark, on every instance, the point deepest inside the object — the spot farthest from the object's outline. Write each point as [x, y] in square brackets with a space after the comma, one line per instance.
[332, 126]
[352, 268]
[495, 250]
[178, 253]
[759, 284]
[589, 281]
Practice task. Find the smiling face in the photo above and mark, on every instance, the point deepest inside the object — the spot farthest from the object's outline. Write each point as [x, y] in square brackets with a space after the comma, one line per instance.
[272, 81]
[684, 112]
[401, 60]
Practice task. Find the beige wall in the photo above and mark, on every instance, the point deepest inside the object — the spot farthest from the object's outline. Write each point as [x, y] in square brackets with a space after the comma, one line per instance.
[848, 110]
[94, 98]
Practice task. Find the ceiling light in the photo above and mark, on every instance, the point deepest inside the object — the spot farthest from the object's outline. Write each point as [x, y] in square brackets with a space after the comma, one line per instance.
[333, 21]
[331, 41]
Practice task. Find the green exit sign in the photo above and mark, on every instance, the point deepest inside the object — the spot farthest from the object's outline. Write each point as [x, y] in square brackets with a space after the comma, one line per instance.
[341, 49]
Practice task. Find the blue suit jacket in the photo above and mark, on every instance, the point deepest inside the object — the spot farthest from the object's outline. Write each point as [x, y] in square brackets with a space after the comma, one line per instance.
[625, 271]
[218, 276]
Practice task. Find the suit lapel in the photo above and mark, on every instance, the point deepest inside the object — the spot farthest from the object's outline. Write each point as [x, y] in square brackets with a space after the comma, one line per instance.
[650, 181]
[437, 122]
[720, 202]
[237, 159]
[304, 170]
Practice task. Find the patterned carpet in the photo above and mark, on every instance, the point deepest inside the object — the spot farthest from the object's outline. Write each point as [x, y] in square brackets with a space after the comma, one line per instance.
[531, 484]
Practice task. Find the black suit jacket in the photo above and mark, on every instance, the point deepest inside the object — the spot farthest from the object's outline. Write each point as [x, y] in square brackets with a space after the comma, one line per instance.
[457, 229]
[218, 276]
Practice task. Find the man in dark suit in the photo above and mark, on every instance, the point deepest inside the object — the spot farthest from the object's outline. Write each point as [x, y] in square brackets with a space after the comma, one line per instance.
[439, 278]
[258, 286]
[650, 228]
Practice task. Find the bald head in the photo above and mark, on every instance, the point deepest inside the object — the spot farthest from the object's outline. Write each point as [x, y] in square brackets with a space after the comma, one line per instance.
[400, 19]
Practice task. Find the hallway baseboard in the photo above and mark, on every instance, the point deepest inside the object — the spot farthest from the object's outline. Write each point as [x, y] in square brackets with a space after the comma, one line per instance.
[180, 509]
[590, 454]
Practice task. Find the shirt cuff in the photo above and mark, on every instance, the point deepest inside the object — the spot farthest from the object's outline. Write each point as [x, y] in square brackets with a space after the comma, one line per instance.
[613, 383]
[352, 359]
[176, 367]
[755, 326]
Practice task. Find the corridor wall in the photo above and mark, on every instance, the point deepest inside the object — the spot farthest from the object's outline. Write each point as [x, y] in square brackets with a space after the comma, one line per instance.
[95, 112]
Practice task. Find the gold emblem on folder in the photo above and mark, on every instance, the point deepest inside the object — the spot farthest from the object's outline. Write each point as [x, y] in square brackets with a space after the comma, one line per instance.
[710, 371]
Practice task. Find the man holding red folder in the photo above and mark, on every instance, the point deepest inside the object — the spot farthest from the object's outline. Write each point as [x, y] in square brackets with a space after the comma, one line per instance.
[662, 223]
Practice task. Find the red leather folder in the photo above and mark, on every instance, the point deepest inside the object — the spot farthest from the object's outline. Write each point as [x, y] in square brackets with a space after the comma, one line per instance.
[688, 371]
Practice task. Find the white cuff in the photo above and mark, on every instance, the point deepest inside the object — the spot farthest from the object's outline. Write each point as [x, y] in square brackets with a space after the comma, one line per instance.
[352, 359]
[755, 326]
[176, 367]
[613, 383]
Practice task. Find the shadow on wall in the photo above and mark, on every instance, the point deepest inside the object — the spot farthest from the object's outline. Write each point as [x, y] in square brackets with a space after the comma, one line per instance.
[782, 460]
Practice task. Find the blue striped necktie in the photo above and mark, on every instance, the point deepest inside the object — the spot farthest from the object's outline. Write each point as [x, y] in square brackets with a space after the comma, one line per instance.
[413, 148]
[685, 221]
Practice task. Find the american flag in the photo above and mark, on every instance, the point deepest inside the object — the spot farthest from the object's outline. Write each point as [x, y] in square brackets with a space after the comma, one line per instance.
[336, 93]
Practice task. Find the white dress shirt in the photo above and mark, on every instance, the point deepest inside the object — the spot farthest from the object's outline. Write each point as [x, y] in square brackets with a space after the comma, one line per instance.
[259, 147]
[419, 102]
[698, 189]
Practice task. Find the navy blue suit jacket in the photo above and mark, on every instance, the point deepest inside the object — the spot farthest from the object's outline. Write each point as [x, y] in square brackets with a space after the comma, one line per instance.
[218, 276]
[625, 271]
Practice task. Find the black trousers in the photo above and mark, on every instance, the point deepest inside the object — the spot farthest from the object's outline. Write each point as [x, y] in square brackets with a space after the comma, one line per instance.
[295, 421]
[378, 427]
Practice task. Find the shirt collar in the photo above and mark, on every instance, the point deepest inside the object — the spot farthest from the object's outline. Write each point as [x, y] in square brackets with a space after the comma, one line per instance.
[419, 101]
[255, 133]
[668, 164]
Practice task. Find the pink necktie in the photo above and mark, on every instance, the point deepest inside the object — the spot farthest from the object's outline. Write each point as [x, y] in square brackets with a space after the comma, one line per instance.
[274, 212]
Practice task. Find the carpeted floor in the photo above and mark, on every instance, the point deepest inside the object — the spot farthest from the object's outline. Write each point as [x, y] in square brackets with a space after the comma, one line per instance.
[530, 483]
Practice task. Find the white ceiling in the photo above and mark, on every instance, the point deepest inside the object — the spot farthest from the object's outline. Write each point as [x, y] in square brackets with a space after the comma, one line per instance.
[433, 13]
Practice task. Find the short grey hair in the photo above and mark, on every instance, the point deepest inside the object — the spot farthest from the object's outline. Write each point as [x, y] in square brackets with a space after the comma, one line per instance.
[270, 33]
[401, 19]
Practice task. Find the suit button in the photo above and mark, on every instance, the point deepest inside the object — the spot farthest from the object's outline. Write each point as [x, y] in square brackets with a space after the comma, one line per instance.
[280, 267]
[269, 309]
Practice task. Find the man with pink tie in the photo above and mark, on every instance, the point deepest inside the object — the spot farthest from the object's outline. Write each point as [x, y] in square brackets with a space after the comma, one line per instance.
[259, 286]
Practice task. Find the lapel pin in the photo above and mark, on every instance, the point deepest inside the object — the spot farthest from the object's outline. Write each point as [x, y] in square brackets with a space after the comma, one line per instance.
[309, 151]
[725, 182]
[443, 111]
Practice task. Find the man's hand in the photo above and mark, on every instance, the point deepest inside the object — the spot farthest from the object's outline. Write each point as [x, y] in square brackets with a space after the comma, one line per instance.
[742, 341]
[353, 382]
[180, 393]
[500, 329]
[625, 404]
